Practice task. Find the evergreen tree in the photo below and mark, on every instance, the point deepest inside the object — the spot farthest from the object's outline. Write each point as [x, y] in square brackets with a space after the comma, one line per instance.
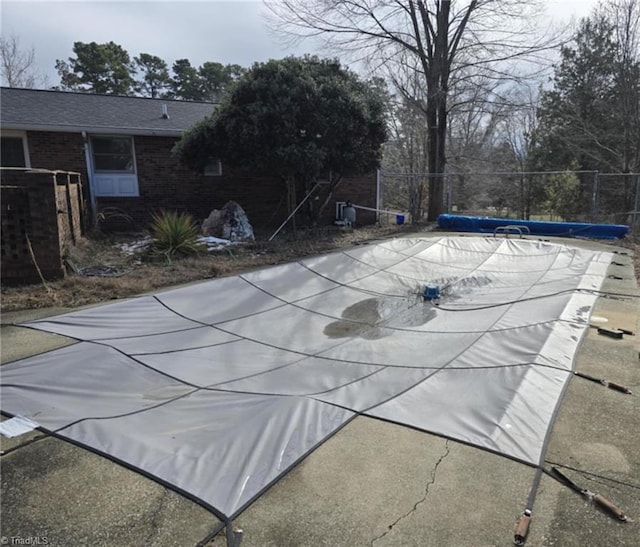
[155, 78]
[217, 79]
[186, 83]
[97, 68]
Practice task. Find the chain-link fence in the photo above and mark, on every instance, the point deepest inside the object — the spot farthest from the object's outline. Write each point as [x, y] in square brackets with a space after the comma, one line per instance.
[579, 196]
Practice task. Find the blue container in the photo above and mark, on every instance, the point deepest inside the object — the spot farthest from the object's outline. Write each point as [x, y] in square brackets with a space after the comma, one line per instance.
[399, 219]
[431, 292]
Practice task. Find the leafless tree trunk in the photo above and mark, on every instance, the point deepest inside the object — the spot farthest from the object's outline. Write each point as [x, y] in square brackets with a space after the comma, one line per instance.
[444, 37]
[17, 64]
[625, 17]
[519, 127]
[406, 153]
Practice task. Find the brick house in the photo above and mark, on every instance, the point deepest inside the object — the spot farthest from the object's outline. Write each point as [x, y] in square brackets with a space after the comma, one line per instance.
[122, 146]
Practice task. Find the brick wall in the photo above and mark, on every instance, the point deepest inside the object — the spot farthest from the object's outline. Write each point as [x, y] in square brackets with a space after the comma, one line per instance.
[58, 152]
[32, 203]
[165, 184]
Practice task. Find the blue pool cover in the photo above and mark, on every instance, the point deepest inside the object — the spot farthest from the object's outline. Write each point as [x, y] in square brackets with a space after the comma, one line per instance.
[460, 223]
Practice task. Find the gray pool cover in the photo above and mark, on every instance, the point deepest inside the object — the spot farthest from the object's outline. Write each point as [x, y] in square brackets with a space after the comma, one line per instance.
[218, 388]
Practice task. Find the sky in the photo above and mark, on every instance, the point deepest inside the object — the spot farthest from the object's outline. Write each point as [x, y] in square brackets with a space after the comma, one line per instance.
[232, 31]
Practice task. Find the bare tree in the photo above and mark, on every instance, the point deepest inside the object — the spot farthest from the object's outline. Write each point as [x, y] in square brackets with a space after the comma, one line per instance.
[478, 106]
[625, 18]
[18, 65]
[405, 154]
[519, 133]
[446, 38]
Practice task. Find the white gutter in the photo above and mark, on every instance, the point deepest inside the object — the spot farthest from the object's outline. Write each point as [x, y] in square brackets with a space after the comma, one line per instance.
[105, 130]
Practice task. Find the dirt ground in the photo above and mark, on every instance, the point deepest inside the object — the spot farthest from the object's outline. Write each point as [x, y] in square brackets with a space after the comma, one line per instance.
[115, 274]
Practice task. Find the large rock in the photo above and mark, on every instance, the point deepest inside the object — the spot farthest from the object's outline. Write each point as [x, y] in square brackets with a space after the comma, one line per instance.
[230, 222]
[213, 224]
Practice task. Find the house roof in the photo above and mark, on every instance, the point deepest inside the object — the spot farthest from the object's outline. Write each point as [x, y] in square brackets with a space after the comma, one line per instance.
[43, 110]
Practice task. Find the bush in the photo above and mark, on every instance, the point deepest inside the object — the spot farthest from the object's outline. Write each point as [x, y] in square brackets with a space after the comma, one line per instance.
[108, 218]
[175, 233]
[562, 194]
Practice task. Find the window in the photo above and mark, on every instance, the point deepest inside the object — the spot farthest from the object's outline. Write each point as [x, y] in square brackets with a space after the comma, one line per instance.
[113, 155]
[14, 152]
[213, 168]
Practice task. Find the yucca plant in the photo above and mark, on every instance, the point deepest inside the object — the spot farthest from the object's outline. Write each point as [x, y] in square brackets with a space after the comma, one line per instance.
[175, 233]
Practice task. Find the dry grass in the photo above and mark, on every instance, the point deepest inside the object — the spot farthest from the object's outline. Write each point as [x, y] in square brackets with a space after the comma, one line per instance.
[140, 277]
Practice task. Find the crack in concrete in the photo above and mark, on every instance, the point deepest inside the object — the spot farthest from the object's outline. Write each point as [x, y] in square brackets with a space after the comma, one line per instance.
[154, 515]
[420, 501]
